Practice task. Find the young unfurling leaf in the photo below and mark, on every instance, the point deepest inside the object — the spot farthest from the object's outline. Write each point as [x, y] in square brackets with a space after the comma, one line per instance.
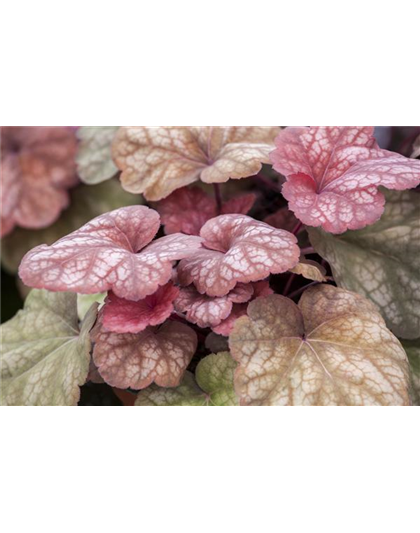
[207, 311]
[333, 175]
[237, 249]
[157, 161]
[125, 316]
[310, 270]
[331, 349]
[44, 355]
[109, 253]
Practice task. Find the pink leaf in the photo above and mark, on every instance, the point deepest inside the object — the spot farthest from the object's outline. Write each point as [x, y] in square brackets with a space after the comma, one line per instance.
[206, 311]
[333, 175]
[261, 288]
[126, 316]
[283, 219]
[238, 249]
[37, 168]
[186, 210]
[105, 255]
[158, 355]
[226, 326]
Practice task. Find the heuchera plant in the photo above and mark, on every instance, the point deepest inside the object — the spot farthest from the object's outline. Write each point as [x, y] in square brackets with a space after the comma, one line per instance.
[232, 305]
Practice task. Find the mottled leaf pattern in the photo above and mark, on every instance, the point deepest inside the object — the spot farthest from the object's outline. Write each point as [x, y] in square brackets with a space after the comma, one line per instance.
[156, 355]
[237, 249]
[382, 262]
[109, 253]
[44, 355]
[214, 374]
[331, 349]
[125, 316]
[333, 175]
[157, 161]
[86, 202]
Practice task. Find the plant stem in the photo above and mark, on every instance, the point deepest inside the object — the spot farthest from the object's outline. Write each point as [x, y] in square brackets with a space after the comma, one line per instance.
[218, 197]
[307, 251]
[297, 228]
[288, 284]
[298, 291]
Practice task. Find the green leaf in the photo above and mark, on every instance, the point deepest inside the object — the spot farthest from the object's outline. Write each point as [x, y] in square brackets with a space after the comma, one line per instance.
[214, 374]
[44, 355]
[188, 393]
[412, 349]
[94, 160]
[382, 261]
[85, 301]
[87, 202]
[213, 385]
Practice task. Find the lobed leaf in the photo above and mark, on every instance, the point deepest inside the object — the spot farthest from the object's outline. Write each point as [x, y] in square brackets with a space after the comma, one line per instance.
[157, 161]
[86, 202]
[160, 355]
[382, 262]
[109, 253]
[331, 349]
[237, 249]
[44, 355]
[207, 311]
[333, 175]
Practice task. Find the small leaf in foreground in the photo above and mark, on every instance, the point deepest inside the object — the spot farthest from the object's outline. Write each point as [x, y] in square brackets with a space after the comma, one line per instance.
[125, 316]
[207, 311]
[331, 349]
[214, 374]
[44, 355]
[310, 270]
[382, 262]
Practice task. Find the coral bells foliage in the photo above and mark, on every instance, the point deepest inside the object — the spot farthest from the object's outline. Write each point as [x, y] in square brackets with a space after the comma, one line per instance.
[112, 252]
[37, 168]
[188, 209]
[219, 280]
[157, 161]
[237, 249]
[333, 175]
